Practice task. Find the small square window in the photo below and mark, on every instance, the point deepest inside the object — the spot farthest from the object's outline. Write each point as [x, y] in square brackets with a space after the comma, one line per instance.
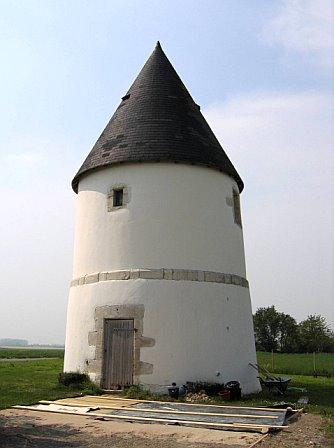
[118, 197]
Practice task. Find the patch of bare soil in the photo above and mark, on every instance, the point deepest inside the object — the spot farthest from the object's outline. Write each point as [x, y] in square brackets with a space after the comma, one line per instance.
[307, 431]
[25, 429]
[21, 428]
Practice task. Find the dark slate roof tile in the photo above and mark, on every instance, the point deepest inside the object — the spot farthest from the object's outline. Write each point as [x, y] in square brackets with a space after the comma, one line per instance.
[157, 120]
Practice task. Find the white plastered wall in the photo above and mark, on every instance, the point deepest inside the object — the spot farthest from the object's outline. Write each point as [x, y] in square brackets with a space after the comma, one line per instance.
[200, 329]
[178, 216]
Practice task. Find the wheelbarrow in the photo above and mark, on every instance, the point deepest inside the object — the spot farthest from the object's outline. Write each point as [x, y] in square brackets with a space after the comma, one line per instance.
[271, 382]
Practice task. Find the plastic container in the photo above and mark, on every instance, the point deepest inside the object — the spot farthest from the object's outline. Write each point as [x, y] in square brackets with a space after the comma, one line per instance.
[234, 389]
[173, 391]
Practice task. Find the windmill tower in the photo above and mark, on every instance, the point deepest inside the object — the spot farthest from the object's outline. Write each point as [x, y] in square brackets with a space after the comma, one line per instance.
[159, 293]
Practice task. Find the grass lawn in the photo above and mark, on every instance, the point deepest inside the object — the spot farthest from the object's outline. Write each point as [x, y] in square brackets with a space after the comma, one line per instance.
[31, 353]
[320, 392]
[293, 364]
[30, 381]
[27, 382]
[297, 363]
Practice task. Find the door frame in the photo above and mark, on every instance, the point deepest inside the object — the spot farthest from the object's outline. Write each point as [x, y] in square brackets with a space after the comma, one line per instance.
[105, 350]
[95, 361]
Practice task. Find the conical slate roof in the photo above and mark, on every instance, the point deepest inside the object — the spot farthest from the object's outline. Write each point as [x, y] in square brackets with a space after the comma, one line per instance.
[157, 121]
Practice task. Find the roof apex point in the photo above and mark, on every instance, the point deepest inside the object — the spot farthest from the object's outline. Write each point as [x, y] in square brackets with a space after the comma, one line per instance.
[158, 45]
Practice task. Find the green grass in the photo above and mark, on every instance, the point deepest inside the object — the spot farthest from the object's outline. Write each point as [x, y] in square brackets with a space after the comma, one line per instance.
[320, 392]
[294, 363]
[31, 353]
[30, 381]
[27, 382]
[297, 363]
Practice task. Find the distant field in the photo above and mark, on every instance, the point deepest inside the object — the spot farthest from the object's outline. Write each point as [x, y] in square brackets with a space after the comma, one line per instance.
[31, 353]
[297, 363]
[293, 364]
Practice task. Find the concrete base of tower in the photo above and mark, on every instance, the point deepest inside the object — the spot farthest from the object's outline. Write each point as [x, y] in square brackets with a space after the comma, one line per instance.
[183, 331]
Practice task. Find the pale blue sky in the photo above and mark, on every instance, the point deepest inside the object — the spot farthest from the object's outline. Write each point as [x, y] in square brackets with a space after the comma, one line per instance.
[262, 72]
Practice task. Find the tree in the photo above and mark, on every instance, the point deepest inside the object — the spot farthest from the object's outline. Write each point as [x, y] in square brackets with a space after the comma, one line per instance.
[314, 334]
[280, 332]
[288, 334]
[275, 330]
[329, 345]
[267, 328]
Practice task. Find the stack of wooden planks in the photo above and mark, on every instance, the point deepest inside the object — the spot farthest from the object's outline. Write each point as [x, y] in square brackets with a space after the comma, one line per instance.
[239, 418]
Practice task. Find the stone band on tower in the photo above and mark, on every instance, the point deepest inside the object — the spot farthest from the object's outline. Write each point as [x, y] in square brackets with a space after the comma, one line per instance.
[159, 291]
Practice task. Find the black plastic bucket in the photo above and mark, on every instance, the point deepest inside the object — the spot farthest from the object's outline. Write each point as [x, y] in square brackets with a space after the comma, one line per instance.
[173, 391]
[234, 388]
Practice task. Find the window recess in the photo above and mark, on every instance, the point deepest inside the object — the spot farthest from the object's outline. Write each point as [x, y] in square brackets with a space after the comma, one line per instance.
[118, 197]
[236, 208]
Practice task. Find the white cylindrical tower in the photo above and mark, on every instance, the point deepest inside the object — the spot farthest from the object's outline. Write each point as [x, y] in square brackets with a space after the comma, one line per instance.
[159, 291]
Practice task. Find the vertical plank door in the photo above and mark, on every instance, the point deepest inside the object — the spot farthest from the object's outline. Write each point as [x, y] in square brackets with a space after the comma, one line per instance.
[118, 353]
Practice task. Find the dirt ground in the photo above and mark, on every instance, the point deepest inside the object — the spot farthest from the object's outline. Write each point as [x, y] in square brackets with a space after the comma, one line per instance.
[21, 428]
[308, 431]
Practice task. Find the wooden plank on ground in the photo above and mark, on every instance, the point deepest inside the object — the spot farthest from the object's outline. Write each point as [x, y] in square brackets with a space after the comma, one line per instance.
[235, 426]
[192, 404]
[163, 411]
[93, 401]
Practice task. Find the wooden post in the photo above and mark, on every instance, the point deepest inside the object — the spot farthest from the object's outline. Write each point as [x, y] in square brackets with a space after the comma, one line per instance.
[272, 361]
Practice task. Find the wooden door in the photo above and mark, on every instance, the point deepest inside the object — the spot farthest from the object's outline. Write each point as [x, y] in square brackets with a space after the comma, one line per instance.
[118, 353]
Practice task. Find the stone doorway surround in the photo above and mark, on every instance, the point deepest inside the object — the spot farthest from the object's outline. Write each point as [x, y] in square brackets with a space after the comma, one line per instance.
[96, 339]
